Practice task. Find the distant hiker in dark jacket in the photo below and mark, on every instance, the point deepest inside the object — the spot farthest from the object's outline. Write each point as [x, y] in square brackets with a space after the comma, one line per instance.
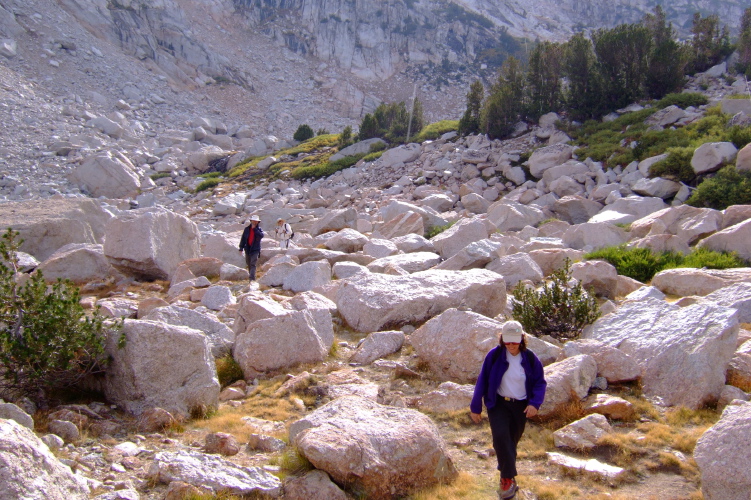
[512, 383]
[251, 243]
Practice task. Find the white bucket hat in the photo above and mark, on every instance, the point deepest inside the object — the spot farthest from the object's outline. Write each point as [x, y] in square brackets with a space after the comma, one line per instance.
[254, 218]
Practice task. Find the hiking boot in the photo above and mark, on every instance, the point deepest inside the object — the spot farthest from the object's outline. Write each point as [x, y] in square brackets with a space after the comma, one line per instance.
[508, 488]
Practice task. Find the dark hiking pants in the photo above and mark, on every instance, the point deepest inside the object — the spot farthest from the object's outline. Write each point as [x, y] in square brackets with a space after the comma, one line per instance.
[251, 258]
[507, 421]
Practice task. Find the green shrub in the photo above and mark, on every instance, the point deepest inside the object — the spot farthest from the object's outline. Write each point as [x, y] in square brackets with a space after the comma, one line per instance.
[322, 131]
[159, 175]
[324, 169]
[377, 146]
[303, 133]
[47, 342]
[710, 259]
[557, 310]
[207, 184]
[683, 100]
[210, 175]
[228, 370]
[727, 187]
[739, 136]
[435, 130]
[436, 230]
[373, 156]
[642, 264]
[676, 167]
[637, 263]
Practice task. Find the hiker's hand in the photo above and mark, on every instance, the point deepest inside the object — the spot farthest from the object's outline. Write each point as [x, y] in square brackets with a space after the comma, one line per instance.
[530, 411]
[475, 417]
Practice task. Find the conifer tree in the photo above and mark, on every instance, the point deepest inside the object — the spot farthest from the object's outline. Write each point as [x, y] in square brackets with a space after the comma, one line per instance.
[583, 94]
[622, 53]
[667, 60]
[709, 43]
[470, 121]
[744, 43]
[505, 103]
[544, 79]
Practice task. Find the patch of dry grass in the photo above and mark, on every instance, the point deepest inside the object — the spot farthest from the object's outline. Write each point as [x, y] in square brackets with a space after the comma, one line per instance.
[465, 486]
[536, 442]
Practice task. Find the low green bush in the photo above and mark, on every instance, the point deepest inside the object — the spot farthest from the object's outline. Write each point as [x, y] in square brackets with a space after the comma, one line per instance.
[159, 175]
[210, 175]
[373, 156]
[324, 169]
[436, 230]
[727, 187]
[558, 309]
[435, 130]
[676, 167]
[207, 184]
[642, 264]
[228, 370]
[303, 133]
[47, 341]
[739, 136]
[683, 100]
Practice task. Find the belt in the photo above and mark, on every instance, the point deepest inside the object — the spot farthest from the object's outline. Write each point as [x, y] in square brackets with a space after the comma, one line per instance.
[512, 399]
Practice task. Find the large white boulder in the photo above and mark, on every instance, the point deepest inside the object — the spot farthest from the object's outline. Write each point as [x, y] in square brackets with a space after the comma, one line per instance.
[570, 378]
[212, 472]
[687, 222]
[221, 337]
[513, 216]
[382, 451]
[410, 262]
[598, 275]
[143, 374]
[594, 235]
[657, 187]
[515, 268]
[107, 174]
[454, 343]
[253, 308]
[732, 239]
[78, 262]
[335, 220]
[612, 363]
[689, 281]
[47, 225]
[466, 231]
[347, 240]
[280, 342]
[413, 243]
[582, 434]
[629, 209]
[308, 276]
[29, 470]
[736, 296]
[548, 157]
[150, 242]
[401, 225]
[723, 453]
[682, 352]
[370, 302]
[447, 397]
[224, 247]
[575, 209]
[475, 255]
[377, 345]
[379, 248]
[712, 155]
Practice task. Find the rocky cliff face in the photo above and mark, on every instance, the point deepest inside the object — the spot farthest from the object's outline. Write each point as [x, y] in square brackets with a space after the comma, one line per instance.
[377, 39]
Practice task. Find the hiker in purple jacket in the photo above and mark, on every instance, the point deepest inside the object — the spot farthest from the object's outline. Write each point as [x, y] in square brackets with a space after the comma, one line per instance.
[512, 383]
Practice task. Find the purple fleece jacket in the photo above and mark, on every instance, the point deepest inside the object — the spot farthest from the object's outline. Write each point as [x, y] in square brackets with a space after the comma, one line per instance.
[490, 379]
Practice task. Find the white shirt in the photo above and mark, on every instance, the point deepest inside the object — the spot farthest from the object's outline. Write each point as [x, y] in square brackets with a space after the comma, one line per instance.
[513, 381]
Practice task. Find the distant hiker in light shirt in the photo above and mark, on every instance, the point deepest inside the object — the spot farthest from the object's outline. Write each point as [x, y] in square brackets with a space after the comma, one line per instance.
[512, 384]
[283, 233]
[251, 243]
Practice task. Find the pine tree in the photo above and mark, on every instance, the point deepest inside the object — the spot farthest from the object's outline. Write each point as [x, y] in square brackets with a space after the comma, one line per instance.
[709, 44]
[369, 128]
[744, 43]
[505, 103]
[622, 54]
[470, 121]
[667, 60]
[583, 95]
[544, 79]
